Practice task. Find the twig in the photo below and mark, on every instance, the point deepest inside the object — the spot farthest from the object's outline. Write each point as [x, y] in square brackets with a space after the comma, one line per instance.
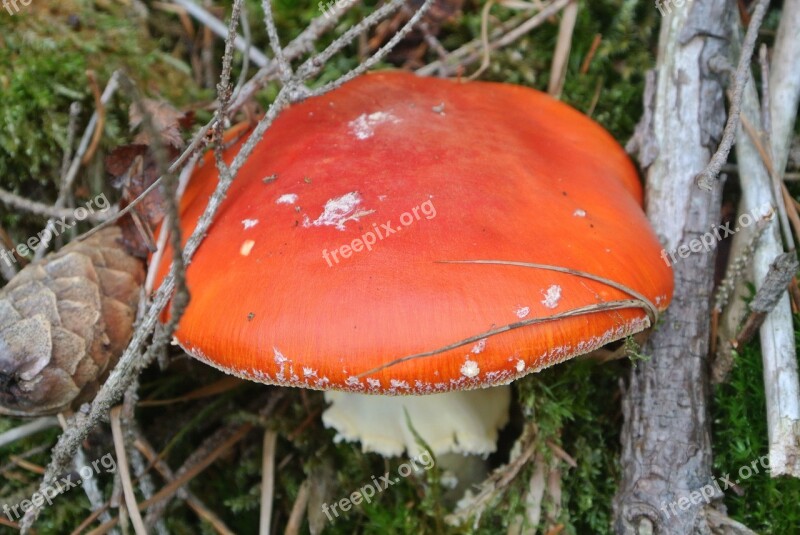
[88, 134]
[773, 287]
[784, 82]
[497, 482]
[379, 54]
[89, 485]
[302, 44]
[267, 481]
[284, 69]
[219, 28]
[709, 175]
[72, 127]
[312, 66]
[766, 120]
[45, 210]
[666, 439]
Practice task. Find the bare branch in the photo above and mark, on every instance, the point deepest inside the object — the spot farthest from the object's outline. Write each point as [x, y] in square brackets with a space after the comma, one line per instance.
[219, 28]
[711, 172]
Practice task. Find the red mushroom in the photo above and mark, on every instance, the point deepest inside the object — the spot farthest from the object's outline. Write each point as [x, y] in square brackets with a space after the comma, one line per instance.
[420, 236]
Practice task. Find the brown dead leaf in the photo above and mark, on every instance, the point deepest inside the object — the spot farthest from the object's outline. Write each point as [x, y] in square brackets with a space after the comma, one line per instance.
[167, 121]
[134, 170]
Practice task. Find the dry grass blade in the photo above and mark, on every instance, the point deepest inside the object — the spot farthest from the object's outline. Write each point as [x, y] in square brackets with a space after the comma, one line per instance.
[170, 489]
[587, 61]
[26, 465]
[267, 481]
[766, 159]
[100, 109]
[558, 71]
[28, 429]
[506, 35]
[295, 521]
[124, 471]
[589, 309]
[191, 500]
[640, 301]
[219, 28]
[225, 384]
[485, 62]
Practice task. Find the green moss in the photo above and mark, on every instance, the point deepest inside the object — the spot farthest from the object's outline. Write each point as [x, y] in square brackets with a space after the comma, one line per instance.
[762, 503]
[45, 52]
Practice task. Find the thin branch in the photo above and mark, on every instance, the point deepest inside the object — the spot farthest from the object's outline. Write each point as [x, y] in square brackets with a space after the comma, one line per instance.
[284, 69]
[219, 28]
[88, 135]
[312, 66]
[378, 55]
[302, 44]
[708, 176]
[45, 210]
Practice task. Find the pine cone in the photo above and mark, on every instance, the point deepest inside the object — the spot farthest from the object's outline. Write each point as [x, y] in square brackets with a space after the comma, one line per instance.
[64, 322]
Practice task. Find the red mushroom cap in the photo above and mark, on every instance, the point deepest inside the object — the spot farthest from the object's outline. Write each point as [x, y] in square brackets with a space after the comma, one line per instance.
[437, 172]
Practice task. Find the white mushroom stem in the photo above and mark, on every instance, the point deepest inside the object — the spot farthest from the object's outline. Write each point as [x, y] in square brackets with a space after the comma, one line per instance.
[465, 422]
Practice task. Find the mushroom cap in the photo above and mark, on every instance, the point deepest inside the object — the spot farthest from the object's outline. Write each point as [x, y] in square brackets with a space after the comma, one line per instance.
[437, 172]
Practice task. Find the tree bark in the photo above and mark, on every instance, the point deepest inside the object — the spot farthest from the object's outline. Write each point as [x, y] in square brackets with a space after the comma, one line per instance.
[666, 446]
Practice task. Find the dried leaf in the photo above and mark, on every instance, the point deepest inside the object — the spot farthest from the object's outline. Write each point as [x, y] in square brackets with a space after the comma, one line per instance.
[134, 170]
[167, 121]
